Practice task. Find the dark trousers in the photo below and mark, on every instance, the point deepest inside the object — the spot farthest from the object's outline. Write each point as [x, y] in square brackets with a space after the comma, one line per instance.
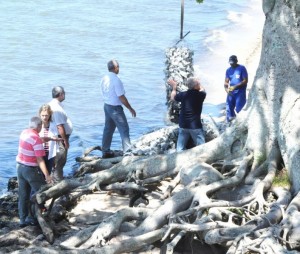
[60, 162]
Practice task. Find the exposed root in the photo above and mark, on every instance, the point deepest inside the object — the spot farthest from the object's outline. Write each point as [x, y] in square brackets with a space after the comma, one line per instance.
[210, 203]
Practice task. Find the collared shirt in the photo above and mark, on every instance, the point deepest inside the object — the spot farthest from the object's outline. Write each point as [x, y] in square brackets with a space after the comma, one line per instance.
[60, 117]
[30, 147]
[111, 88]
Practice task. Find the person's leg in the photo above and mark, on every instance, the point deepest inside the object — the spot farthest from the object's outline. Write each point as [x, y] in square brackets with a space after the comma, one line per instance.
[183, 137]
[122, 125]
[197, 136]
[240, 101]
[24, 194]
[36, 179]
[60, 162]
[230, 105]
[109, 128]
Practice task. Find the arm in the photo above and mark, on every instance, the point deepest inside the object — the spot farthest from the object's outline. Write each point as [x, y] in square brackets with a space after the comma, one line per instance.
[125, 102]
[202, 89]
[241, 84]
[244, 76]
[62, 133]
[42, 166]
[173, 84]
[47, 139]
[226, 85]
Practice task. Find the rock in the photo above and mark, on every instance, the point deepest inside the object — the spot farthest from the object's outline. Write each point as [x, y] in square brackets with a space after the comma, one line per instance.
[179, 66]
[8, 208]
[9, 205]
[12, 184]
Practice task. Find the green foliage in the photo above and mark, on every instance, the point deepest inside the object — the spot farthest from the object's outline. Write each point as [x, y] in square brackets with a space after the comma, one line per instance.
[237, 211]
[260, 157]
[282, 179]
[199, 1]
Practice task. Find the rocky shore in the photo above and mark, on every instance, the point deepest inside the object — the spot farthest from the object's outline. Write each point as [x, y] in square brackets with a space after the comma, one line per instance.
[92, 208]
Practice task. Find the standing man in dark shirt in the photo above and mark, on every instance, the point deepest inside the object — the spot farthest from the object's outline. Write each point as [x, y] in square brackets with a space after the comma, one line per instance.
[190, 114]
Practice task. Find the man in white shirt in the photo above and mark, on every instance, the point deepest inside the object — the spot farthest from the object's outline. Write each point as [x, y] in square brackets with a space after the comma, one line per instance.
[114, 97]
[64, 128]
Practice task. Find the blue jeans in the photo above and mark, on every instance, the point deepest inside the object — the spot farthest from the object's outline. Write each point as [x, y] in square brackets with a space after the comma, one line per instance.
[115, 117]
[234, 103]
[184, 135]
[30, 179]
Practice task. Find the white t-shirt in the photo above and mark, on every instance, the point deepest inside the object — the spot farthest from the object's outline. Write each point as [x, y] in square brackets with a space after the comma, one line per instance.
[111, 88]
[59, 116]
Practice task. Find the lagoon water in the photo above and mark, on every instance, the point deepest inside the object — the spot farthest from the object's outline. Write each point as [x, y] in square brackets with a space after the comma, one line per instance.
[46, 43]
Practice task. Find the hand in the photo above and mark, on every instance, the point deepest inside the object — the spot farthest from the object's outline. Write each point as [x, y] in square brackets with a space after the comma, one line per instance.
[56, 139]
[231, 88]
[132, 111]
[172, 83]
[49, 179]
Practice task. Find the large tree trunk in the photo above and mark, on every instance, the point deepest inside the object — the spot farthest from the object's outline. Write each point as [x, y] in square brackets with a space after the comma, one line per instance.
[273, 105]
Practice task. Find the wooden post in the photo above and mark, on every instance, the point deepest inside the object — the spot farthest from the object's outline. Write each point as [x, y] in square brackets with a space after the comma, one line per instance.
[182, 18]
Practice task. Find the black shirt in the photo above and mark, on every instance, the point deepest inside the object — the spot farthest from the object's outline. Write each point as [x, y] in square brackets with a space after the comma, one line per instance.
[191, 108]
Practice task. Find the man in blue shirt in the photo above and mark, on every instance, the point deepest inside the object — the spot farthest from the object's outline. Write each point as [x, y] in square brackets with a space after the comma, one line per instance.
[190, 113]
[235, 85]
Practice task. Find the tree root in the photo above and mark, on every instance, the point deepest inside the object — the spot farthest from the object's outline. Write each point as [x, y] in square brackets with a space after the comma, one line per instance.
[97, 236]
[191, 203]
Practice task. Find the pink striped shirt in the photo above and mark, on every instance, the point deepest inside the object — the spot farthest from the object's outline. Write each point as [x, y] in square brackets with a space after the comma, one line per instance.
[30, 147]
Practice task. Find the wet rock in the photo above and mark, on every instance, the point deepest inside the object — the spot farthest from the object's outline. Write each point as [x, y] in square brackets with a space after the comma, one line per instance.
[156, 142]
[9, 205]
[12, 184]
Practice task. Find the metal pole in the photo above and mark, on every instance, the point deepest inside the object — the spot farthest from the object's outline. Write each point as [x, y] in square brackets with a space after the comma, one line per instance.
[182, 17]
